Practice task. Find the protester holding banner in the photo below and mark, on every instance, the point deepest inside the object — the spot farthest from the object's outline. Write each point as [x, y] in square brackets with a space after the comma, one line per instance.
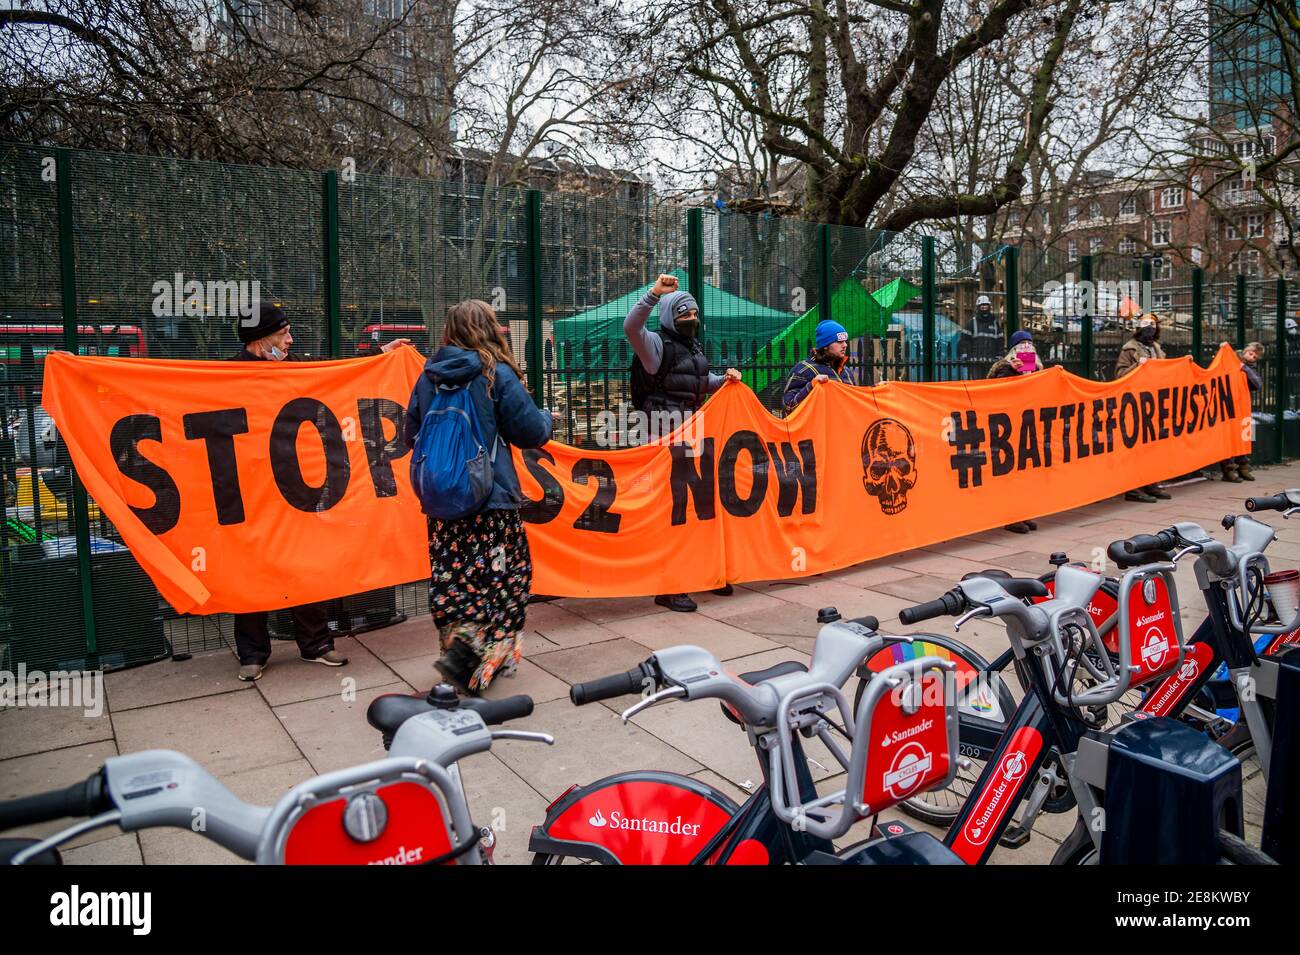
[825, 362]
[480, 566]
[670, 374]
[1235, 470]
[266, 336]
[1021, 360]
[1137, 351]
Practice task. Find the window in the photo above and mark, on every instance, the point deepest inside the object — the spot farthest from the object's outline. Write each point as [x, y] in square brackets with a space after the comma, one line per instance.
[1072, 250]
[1172, 197]
[1196, 185]
[1072, 214]
[1127, 245]
[1230, 229]
[1129, 206]
[1246, 262]
[1165, 270]
[1095, 244]
[1236, 189]
[1255, 226]
[1162, 301]
[1160, 233]
[1094, 210]
[1196, 256]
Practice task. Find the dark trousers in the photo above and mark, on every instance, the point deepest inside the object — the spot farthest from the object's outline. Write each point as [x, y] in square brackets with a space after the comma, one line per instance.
[253, 641]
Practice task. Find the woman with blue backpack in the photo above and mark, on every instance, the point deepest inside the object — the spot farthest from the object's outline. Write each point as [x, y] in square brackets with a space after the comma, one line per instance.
[468, 407]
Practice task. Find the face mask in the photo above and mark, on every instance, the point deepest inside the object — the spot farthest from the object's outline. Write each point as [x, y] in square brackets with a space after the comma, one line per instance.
[276, 354]
[1147, 334]
[689, 327]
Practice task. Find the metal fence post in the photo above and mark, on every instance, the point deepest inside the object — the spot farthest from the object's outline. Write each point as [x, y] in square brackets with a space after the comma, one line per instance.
[1241, 312]
[1013, 291]
[1198, 312]
[333, 281]
[1085, 320]
[68, 277]
[695, 255]
[1279, 426]
[824, 292]
[927, 308]
[536, 332]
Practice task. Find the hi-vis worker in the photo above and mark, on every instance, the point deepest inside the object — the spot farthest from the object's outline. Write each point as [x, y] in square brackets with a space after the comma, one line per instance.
[826, 361]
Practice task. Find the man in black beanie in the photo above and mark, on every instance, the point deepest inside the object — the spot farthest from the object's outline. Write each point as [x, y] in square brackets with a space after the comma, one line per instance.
[266, 337]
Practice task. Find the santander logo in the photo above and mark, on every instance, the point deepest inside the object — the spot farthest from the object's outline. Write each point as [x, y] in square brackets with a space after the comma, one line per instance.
[981, 826]
[403, 856]
[910, 764]
[1155, 647]
[618, 820]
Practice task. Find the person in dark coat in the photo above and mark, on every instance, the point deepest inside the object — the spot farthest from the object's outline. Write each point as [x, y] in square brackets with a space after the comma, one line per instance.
[1235, 470]
[672, 370]
[480, 566]
[825, 362]
[266, 336]
[1143, 347]
[1022, 359]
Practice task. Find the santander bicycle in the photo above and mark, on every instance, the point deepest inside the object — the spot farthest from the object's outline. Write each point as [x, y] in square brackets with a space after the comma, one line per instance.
[1238, 633]
[901, 739]
[409, 808]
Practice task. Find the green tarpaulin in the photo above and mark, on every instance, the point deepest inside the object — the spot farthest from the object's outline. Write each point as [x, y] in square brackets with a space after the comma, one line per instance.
[851, 306]
[594, 340]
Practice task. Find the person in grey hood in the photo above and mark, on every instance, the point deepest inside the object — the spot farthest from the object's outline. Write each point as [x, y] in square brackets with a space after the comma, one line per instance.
[670, 373]
[480, 566]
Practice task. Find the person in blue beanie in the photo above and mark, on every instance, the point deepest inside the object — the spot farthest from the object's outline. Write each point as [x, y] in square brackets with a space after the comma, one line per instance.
[825, 362]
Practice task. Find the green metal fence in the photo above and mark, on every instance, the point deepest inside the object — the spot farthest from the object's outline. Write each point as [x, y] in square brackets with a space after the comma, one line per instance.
[87, 240]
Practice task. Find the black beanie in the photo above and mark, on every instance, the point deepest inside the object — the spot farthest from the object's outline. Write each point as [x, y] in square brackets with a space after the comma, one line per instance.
[267, 318]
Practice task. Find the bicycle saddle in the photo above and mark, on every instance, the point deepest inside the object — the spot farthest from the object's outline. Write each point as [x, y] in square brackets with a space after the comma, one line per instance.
[1016, 586]
[755, 677]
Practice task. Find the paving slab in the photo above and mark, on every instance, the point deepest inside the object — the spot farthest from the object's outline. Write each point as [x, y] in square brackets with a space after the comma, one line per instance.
[167, 681]
[290, 679]
[562, 628]
[500, 798]
[122, 849]
[224, 734]
[414, 637]
[590, 742]
[54, 769]
[37, 729]
[580, 664]
[332, 732]
[719, 638]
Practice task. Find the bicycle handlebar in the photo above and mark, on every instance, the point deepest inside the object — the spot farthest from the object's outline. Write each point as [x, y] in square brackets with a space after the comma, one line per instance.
[86, 798]
[1275, 502]
[495, 712]
[1163, 541]
[618, 684]
[947, 605]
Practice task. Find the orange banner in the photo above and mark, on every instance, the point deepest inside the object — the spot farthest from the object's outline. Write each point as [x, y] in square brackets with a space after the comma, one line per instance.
[247, 486]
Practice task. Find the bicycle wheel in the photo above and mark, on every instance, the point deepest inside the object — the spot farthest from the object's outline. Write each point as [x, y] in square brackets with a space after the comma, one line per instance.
[1077, 849]
[548, 858]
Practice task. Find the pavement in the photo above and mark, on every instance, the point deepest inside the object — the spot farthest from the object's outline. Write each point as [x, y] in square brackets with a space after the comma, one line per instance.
[301, 719]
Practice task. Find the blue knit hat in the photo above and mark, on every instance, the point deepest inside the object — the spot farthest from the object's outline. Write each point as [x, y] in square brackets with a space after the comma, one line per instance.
[829, 332]
[1021, 336]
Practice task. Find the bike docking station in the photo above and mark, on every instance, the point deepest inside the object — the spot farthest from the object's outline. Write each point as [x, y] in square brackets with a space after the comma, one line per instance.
[1282, 805]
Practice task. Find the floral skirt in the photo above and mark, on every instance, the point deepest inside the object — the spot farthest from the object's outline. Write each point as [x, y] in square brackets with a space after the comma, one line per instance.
[480, 573]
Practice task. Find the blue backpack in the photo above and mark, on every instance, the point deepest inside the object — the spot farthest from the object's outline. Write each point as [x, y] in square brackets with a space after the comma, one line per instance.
[451, 470]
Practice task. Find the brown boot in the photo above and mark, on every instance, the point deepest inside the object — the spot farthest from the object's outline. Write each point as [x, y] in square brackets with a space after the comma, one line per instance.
[1229, 469]
[1243, 471]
